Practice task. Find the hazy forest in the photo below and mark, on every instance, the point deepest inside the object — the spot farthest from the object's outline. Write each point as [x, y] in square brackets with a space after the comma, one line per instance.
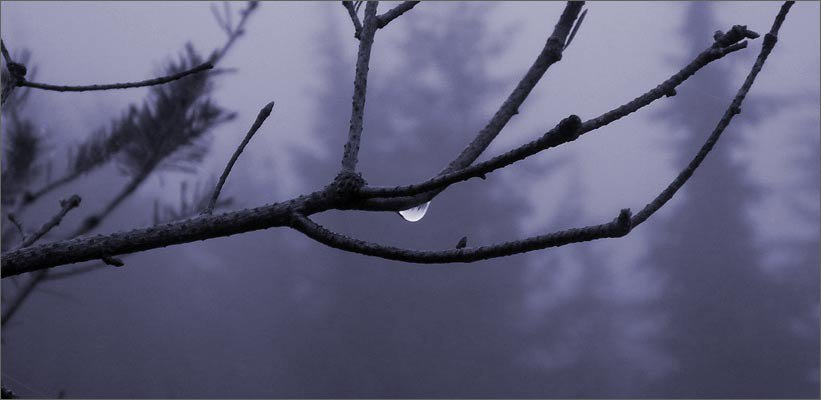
[716, 295]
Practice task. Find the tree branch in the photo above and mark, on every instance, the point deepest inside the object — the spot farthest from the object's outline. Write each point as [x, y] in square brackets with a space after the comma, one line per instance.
[150, 82]
[349, 159]
[203, 227]
[261, 117]
[666, 88]
[619, 227]
[565, 131]
[394, 13]
[550, 54]
[338, 195]
[67, 205]
[357, 26]
[735, 108]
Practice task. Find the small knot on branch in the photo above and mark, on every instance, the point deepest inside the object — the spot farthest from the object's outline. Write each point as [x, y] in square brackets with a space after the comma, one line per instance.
[769, 40]
[670, 93]
[569, 128]
[71, 202]
[555, 47]
[736, 33]
[622, 222]
[346, 185]
[115, 262]
[463, 242]
[735, 110]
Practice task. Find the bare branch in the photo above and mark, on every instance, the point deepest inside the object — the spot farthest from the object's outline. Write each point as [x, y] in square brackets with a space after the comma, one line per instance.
[342, 194]
[88, 248]
[261, 117]
[67, 205]
[5, 51]
[395, 12]
[151, 82]
[575, 29]
[619, 227]
[349, 159]
[17, 73]
[550, 54]
[566, 131]
[735, 108]
[667, 88]
[357, 26]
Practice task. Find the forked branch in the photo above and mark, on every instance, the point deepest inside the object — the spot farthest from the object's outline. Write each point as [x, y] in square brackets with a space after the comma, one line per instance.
[294, 213]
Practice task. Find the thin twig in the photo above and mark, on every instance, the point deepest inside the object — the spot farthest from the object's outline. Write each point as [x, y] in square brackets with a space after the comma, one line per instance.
[564, 132]
[86, 248]
[44, 256]
[666, 88]
[5, 51]
[575, 29]
[357, 26]
[261, 117]
[395, 12]
[349, 159]
[549, 55]
[17, 225]
[150, 82]
[735, 108]
[67, 205]
[617, 228]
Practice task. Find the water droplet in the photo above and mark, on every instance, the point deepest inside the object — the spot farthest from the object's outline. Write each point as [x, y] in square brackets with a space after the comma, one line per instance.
[415, 213]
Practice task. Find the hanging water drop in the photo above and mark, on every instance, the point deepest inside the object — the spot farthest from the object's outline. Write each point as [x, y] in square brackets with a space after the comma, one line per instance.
[414, 214]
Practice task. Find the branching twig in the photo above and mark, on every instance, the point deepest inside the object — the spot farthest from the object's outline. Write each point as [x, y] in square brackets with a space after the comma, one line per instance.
[735, 108]
[549, 55]
[151, 82]
[67, 205]
[667, 88]
[261, 117]
[363, 59]
[357, 26]
[575, 29]
[619, 227]
[294, 212]
[395, 12]
[17, 73]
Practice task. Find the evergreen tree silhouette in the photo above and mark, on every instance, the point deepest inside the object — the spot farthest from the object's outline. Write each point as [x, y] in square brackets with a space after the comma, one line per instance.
[728, 322]
[390, 329]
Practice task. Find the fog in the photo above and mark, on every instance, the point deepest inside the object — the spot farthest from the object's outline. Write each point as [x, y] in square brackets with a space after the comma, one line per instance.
[716, 295]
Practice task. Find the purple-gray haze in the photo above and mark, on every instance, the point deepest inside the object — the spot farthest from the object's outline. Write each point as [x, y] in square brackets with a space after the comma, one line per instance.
[717, 295]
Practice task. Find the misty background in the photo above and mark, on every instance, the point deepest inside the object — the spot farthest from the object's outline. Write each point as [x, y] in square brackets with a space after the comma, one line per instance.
[717, 295]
